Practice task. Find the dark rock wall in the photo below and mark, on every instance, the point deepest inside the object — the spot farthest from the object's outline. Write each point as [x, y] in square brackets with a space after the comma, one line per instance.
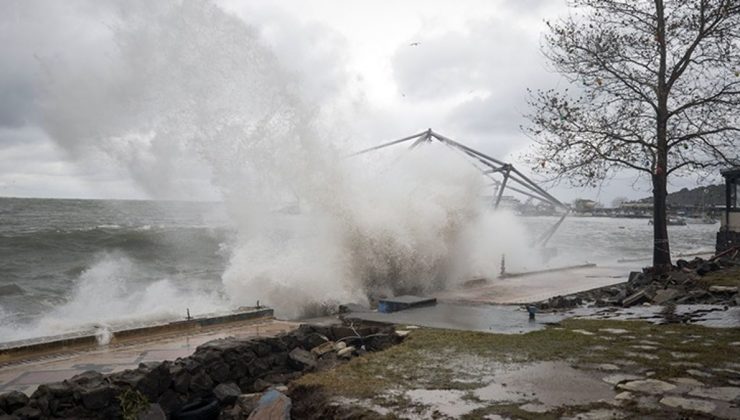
[219, 369]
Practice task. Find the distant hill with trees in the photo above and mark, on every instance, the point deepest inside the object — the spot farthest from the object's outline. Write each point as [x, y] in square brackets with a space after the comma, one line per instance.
[709, 196]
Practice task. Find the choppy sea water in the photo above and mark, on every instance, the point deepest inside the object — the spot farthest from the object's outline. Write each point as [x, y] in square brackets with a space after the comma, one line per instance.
[67, 265]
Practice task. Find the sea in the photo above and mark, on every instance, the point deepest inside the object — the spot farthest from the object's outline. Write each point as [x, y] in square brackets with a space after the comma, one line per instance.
[71, 265]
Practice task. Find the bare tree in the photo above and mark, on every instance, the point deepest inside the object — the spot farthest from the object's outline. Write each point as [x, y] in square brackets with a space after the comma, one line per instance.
[657, 90]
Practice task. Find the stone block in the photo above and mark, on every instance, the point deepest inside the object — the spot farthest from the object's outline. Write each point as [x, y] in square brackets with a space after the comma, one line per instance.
[346, 353]
[636, 298]
[226, 394]
[323, 348]
[665, 295]
[273, 405]
[96, 397]
[12, 401]
[302, 359]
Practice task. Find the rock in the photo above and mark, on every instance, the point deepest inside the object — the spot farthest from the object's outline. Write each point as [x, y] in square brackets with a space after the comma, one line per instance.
[170, 401]
[28, 413]
[707, 267]
[12, 401]
[201, 384]
[379, 342]
[233, 413]
[155, 381]
[154, 412]
[346, 353]
[638, 279]
[699, 373]
[403, 333]
[323, 348]
[693, 404]
[260, 385]
[723, 289]
[302, 359]
[180, 379]
[96, 397]
[219, 371]
[693, 296]
[626, 395]
[273, 405]
[723, 393]
[688, 381]
[665, 295]
[248, 402]
[87, 377]
[226, 394]
[648, 386]
[636, 298]
[619, 377]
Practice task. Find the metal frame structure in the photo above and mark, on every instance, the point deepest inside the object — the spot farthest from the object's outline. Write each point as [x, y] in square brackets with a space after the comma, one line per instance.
[491, 168]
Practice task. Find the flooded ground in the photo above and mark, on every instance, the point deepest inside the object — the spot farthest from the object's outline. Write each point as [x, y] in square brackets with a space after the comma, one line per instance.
[577, 368]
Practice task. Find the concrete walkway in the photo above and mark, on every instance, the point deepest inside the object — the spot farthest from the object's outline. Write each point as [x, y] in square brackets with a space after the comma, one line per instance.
[537, 287]
[27, 375]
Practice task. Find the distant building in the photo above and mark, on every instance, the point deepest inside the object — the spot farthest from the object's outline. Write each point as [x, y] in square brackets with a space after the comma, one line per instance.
[584, 206]
[729, 231]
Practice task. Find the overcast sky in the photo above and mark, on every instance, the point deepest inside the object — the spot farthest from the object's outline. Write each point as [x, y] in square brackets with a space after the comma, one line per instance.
[374, 70]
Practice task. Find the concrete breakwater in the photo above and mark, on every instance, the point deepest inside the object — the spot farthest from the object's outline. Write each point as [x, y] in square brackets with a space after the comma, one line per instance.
[219, 370]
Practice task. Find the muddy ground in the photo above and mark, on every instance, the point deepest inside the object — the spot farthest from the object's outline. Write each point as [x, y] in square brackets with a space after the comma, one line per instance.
[579, 368]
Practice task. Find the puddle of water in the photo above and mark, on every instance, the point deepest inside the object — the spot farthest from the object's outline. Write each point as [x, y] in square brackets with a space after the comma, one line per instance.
[449, 402]
[707, 315]
[550, 383]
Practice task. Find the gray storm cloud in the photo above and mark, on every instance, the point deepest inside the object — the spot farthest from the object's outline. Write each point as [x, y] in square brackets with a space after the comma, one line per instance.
[152, 86]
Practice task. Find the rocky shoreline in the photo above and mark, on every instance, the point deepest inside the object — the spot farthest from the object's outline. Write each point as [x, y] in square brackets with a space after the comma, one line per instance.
[229, 378]
[690, 282]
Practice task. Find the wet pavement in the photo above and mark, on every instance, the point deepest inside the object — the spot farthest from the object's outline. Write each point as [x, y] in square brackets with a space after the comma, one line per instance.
[28, 375]
[537, 286]
[506, 319]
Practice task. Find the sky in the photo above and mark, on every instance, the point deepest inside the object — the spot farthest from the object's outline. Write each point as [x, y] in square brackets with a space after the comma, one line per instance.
[74, 75]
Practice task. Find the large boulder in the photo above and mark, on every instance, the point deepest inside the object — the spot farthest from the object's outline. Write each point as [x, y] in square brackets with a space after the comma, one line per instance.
[226, 394]
[302, 359]
[12, 401]
[273, 405]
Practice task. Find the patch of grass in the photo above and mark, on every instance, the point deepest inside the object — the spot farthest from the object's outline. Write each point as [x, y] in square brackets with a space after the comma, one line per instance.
[725, 277]
[464, 360]
[132, 403]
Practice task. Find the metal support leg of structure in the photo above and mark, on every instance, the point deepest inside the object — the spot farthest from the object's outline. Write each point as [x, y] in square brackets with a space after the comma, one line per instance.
[502, 187]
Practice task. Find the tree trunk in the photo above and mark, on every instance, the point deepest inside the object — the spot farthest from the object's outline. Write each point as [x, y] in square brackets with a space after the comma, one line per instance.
[661, 248]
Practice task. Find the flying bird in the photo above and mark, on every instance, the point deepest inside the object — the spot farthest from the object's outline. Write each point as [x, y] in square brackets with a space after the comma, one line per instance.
[414, 44]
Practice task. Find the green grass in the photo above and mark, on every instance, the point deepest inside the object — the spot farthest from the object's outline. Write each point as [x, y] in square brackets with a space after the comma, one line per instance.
[427, 359]
[725, 277]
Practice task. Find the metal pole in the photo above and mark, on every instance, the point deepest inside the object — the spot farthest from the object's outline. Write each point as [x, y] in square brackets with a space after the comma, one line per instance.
[370, 149]
[503, 187]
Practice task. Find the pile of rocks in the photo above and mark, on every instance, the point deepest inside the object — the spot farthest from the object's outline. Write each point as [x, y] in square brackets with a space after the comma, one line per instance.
[682, 285]
[221, 370]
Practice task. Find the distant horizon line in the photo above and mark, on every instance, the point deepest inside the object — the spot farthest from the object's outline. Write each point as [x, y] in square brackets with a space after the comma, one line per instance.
[109, 199]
